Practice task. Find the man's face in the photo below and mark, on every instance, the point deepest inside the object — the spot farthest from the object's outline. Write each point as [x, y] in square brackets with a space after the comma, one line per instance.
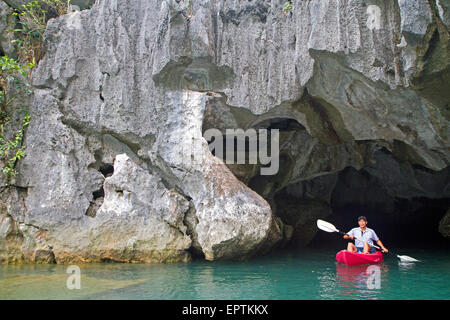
[362, 223]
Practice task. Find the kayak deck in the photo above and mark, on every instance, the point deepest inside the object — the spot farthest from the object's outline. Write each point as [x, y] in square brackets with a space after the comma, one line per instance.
[353, 258]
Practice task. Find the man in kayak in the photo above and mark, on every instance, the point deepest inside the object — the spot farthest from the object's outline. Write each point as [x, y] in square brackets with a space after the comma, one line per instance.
[364, 238]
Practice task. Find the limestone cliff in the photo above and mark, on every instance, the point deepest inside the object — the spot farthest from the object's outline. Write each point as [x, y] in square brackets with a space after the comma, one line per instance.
[117, 167]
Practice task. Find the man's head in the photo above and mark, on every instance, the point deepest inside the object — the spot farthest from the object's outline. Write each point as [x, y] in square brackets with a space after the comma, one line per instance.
[362, 221]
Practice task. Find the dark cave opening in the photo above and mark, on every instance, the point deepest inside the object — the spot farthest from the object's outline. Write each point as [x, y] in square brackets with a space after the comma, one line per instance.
[107, 170]
[398, 221]
[414, 223]
[394, 208]
[98, 195]
[282, 124]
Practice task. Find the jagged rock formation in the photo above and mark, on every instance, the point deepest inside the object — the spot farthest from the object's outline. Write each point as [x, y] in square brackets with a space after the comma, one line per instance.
[7, 22]
[117, 168]
[82, 4]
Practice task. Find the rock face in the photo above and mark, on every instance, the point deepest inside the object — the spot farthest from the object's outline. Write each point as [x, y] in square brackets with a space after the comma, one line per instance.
[7, 22]
[82, 4]
[117, 168]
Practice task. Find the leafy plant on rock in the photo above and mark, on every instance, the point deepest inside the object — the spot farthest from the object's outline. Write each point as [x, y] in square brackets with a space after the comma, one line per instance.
[12, 74]
[287, 7]
[32, 21]
[29, 36]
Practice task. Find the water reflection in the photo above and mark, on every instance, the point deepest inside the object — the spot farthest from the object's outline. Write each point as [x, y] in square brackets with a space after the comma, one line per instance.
[361, 281]
[406, 266]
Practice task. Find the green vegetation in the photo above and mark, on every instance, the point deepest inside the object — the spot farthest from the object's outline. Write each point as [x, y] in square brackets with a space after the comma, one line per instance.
[33, 20]
[287, 7]
[14, 73]
[10, 71]
[12, 150]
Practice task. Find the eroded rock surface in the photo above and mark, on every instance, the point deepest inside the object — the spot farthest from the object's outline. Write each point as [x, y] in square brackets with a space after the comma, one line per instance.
[117, 168]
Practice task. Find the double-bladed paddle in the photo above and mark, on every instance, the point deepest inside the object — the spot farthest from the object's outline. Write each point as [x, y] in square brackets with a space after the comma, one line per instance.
[328, 227]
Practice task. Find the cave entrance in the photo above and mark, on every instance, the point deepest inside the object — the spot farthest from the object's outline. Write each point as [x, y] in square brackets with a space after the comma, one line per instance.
[399, 222]
[404, 203]
[412, 223]
[325, 174]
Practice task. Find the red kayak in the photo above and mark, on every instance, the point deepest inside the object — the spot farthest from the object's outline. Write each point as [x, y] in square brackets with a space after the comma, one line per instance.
[352, 258]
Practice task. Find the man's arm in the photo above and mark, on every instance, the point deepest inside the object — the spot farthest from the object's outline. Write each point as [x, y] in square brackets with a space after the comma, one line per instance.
[382, 246]
[349, 235]
[375, 238]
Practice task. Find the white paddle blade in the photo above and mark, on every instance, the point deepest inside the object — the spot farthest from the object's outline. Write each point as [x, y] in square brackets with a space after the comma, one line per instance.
[407, 259]
[326, 226]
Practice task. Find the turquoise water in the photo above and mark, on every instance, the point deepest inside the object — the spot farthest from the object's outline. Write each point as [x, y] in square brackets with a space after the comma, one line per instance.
[311, 274]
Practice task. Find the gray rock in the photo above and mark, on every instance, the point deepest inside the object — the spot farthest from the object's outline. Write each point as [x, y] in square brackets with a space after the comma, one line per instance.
[302, 215]
[165, 140]
[415, 16]
[145, 80]
[7, 23]
[443, 9]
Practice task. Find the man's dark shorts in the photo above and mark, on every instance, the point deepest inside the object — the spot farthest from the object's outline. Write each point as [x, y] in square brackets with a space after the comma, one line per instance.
[361, 249]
